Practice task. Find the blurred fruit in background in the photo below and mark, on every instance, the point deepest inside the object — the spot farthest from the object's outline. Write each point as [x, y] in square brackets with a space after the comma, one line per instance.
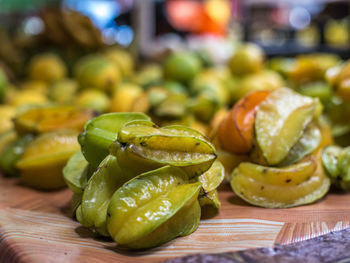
[46, 67]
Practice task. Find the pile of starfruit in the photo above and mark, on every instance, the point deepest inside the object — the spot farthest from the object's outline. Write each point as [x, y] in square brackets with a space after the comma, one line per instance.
[141, 184]
[37, 143]
[280, 133]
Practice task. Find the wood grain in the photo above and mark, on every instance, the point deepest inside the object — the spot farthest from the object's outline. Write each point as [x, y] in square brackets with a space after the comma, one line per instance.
[37, 227]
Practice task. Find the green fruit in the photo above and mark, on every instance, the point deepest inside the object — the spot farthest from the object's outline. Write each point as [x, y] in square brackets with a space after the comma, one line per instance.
[248, 59]
[330, 158]
[98, 192]
[172, 106]
[280, 122]
[44, 158]
[153, 208]
[12, 154]
[3, 85]
[182, 67]
[142, 147]
[100, 132]
[75, 173]
[209, 204]
[63, 91]
[212, 178]
[336, 160]
[122, 59]
[93, 99]
[97, 71]
[307, 143]
[6, 138]
[148, 75]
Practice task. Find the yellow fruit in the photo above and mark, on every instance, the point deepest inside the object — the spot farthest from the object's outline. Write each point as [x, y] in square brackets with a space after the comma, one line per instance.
[35, 85]
[6, 115]
[93, 99]
[27, 97]
[247, 59]
[97, 71]
[124, 97]
[45, 119]
[122, 59]
[46, 67]
[299, 184]
[44, 158]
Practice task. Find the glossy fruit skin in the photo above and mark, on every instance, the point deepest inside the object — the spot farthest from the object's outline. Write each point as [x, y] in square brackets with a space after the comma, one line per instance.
[149, 209]
[107, 178]
[336, 161]
[150, 147]
[299, 184]
[182, 67]
[235, 132]
[280, 121]
[212, 178]
[12, 154]
[75, 173]
[43, 159]
[248, 59]
[210, 204]
[100, 132]
[307, 144]
[38, 120]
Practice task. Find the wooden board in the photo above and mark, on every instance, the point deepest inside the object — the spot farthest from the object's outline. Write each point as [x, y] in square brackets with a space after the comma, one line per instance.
[37, 227]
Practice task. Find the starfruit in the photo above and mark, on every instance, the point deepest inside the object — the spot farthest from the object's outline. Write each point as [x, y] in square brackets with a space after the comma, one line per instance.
[46, 119]
[75, 173]
[208, 196]
[298, 184]
[141, 147]
[101, 131]
[99, 190]
[307, 143]
[210, 204]
[44, 158]
[154, 208]
[280, 122]
[13, 153]
[212, 178]
[336, 161]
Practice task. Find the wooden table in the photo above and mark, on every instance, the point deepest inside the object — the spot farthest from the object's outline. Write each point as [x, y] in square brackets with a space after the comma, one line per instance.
[37, 227]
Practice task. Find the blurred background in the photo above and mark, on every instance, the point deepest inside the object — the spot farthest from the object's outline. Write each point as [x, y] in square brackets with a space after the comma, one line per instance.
[152, 27]
[181, 61]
